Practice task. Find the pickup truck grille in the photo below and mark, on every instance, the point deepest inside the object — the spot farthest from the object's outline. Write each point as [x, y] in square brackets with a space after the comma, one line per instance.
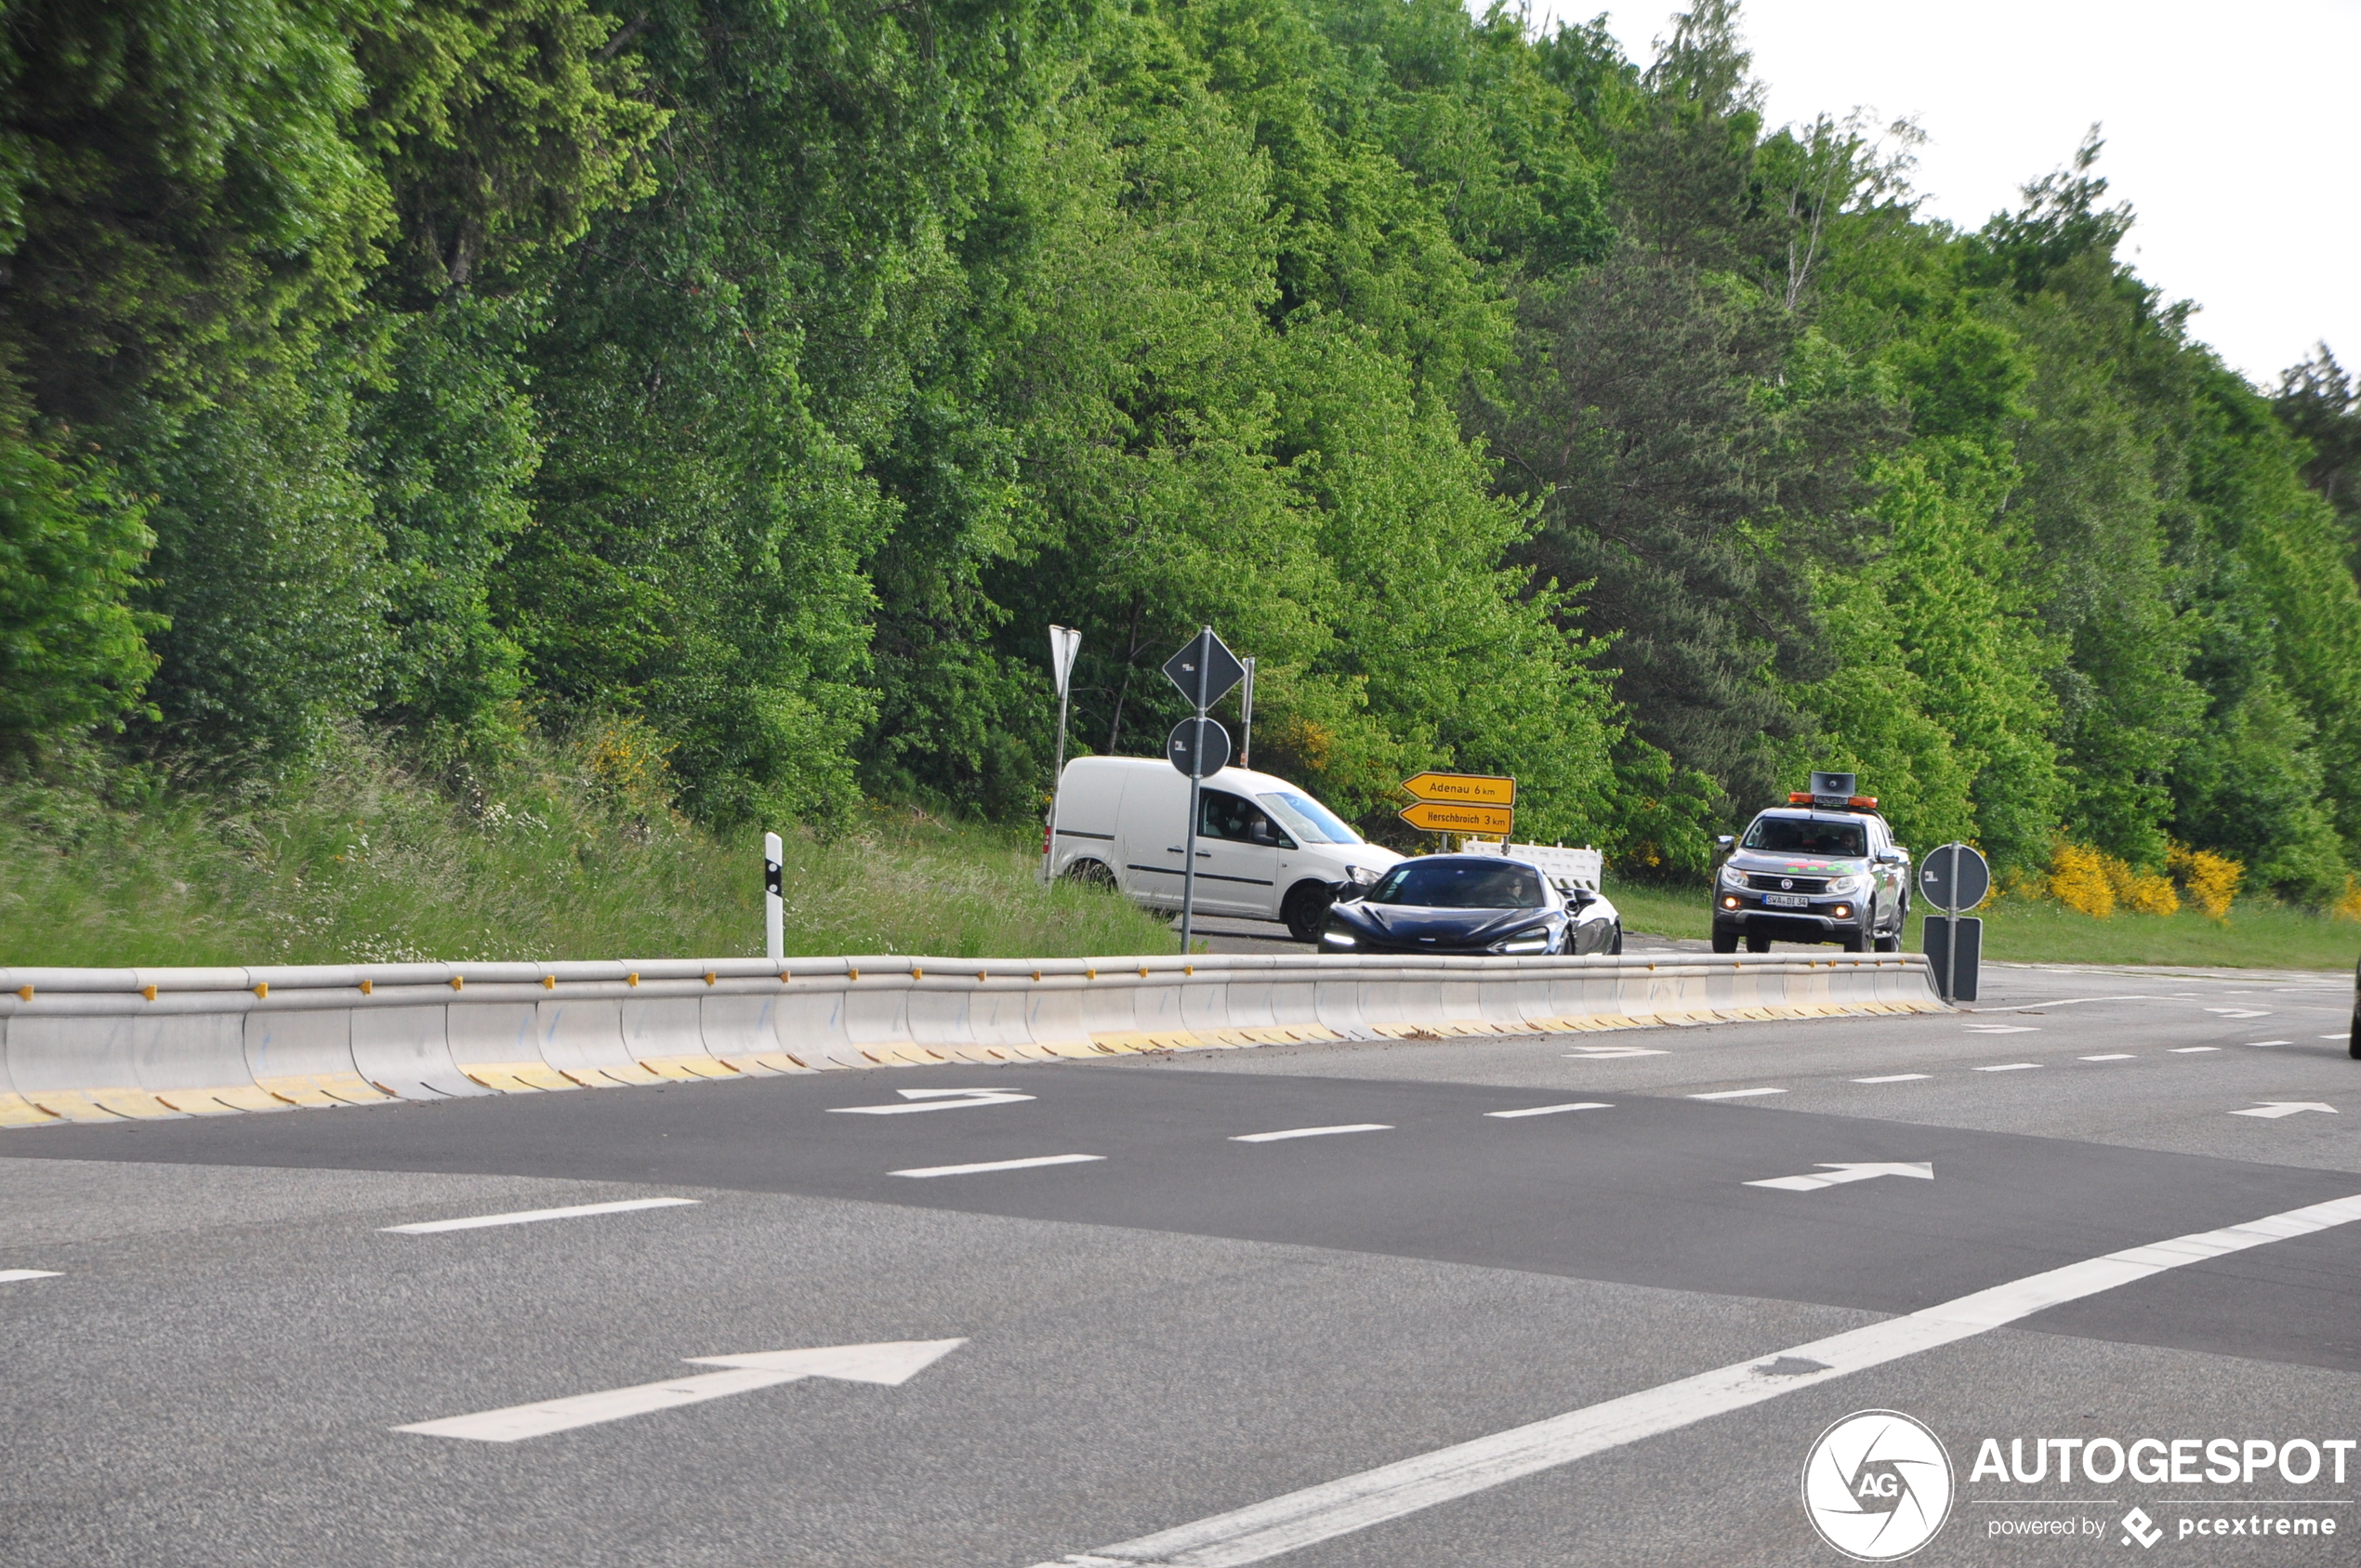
[1770, 882]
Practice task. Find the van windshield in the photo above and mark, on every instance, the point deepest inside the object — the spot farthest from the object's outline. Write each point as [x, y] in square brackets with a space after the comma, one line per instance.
[1312, 822]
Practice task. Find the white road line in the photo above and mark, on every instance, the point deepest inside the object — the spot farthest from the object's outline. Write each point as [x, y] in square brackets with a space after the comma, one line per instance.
[533, 1215]
[1551, 1110]
[924, 1171]
[1735, 1094]
[2009, 1067]
[1265, 1530]
[2257, 1045]
[9, 1276]
[2112, 1056]
[2339, 1035]
[2193, 1051]
[1311, 1132]
[914, 1100]
[1896, 1078]
[1608, 1053]
[2004, 1029]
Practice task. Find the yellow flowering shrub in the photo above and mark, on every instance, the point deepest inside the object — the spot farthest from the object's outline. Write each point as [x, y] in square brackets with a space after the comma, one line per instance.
[2211, 880]
[2079, 880]
[2348, 906]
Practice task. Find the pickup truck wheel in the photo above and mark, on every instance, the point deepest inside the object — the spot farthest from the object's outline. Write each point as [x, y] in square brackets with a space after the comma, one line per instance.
[1758, 941]
[1725, 942]
[2352, 1041]
[1306, 909]
[1890, 943]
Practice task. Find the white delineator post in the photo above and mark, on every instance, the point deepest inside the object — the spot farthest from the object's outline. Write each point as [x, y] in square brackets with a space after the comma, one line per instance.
[775, 931]
[1245, 717]
[1064, 641]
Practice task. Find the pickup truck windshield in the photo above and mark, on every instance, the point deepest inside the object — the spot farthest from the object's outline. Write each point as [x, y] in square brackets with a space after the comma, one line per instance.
[1458, 885]
[1806, 836]
[1312, 822]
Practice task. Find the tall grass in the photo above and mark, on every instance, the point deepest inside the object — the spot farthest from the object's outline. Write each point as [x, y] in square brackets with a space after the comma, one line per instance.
[539, 858]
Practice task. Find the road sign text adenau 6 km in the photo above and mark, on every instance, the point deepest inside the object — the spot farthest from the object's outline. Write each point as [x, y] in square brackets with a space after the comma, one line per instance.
[1461, 803]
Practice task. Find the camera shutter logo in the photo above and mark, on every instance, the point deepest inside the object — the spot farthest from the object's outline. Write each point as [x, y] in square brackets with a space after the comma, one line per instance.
[1877, 1486]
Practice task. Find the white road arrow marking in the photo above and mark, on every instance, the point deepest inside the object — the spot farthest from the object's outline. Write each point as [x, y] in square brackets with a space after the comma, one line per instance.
[890, 1363]
[2274, 1109]
[1839, 1174]
[1607, 1053]
[933, 1100]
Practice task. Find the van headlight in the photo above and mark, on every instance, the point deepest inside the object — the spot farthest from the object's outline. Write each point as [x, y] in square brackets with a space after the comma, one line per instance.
[1360, 876]
[1523, 942]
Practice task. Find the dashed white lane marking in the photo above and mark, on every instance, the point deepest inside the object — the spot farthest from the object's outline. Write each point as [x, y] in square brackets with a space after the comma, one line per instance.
[8, 1276]
[2339, 1035]
[2241, 1012]
[1285, 1133]
[1894, 1078]
[534, 1215]
[1551, 1110]
[2112, 1056]
[924, 1171]
[1607, 1053]
[1265, 1530]
[2004, 1029]
[2193, 1051]
[1735, 1094]
[2257, 1045]
[2010, 1067]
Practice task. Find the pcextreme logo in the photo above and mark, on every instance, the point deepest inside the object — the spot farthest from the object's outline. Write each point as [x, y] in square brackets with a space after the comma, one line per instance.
[1877, 1486]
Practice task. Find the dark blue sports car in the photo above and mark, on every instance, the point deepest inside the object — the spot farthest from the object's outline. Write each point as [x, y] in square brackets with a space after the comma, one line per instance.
[1472, 904]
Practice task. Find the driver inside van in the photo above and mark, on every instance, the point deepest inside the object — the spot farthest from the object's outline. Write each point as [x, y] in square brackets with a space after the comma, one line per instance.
[1226, 816]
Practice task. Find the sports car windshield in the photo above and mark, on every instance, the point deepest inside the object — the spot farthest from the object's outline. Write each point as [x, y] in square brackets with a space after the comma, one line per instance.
[1806, 836]
[1459, 885]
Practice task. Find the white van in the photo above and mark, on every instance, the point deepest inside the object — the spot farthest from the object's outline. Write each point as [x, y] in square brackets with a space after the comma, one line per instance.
[1265, 849]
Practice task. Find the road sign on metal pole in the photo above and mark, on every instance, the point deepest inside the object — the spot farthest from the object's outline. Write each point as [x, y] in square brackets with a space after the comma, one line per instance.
[1435, 816]
[774, 934]
[1465, 789]
[1245, 719]
[1204, 670]
[1955, 878]
[1063, 642]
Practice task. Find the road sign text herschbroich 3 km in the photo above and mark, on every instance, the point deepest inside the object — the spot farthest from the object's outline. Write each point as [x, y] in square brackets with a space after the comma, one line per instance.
[1464, 789]
[1440, 816]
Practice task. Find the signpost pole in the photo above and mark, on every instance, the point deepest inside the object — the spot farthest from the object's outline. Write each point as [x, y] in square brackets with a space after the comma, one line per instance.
[1951, 932]
[1246, 717]
[1196, 780]
[1063, 640]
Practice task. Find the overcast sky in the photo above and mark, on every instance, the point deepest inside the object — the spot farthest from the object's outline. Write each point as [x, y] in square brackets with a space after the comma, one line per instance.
[2230, 129]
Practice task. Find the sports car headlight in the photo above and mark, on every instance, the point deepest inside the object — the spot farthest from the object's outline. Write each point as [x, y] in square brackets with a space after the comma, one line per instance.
[1733, 877]
[1523, 942]
[1335, 939]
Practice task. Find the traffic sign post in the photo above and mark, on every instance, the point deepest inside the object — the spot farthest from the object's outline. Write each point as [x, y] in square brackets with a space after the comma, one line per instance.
[1434, 816]
[1245, 719]
[1467, 803]
[1955, 878]
[1064, 641]
[1205, 670]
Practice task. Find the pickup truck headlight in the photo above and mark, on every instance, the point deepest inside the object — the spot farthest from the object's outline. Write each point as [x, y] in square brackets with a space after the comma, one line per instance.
[1523, 942]
[1847, 884]
[1733, 877]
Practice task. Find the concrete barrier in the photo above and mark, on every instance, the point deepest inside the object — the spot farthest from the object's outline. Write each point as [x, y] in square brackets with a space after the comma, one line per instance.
[115, 1044]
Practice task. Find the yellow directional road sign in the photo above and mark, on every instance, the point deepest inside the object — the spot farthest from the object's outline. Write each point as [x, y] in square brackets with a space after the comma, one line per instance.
[1468, 789]
[1440, 816]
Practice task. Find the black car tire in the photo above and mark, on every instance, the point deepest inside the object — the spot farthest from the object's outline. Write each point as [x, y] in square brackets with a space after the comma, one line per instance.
[1090, 873]
[1615, 945]
[1725, 942]
[2352, 1041]
[1306, 910]
[1854, 941]
[1758, 941]
[1890, 943]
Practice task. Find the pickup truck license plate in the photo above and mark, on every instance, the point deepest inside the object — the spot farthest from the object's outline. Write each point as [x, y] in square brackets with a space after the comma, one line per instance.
[1786, 900]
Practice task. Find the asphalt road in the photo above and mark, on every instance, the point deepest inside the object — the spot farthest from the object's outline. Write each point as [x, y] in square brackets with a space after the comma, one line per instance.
[1161, 1339]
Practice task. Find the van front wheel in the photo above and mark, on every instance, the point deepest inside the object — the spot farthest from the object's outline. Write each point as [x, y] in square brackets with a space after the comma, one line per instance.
[1306, 910]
